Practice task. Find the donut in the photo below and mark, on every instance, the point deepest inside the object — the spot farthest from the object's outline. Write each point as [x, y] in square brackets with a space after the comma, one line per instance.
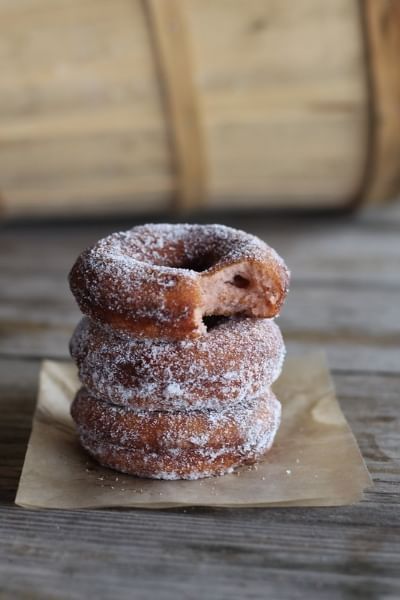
[238, 358]
[184, 463]
[160, 280]
[180, 464]
[232, 427]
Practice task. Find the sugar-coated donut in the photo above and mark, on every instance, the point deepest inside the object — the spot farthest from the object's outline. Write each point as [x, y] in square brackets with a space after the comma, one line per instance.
[183, 462]
[161, 280]
[180, 464]
[232, 427]
[236, 359]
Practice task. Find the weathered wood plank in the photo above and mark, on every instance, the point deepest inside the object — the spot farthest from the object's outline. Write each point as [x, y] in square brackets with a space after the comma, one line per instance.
[200, 555]
[219, 562]
[364, 250]
[344, 298]
[358, 328]
[379, 218]
[18, 385]
[316, 553]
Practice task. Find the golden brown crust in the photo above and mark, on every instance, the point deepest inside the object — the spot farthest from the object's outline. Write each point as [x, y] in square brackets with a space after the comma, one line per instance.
[154, 280]
[239, 426]
[170, 464]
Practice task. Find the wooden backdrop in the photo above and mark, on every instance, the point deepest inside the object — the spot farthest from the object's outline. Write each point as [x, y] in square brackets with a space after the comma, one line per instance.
[136, 104]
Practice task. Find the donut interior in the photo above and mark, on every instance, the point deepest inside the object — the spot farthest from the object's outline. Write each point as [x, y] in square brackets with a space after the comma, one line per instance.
[241, 287]
[238, 289]
[163, 279]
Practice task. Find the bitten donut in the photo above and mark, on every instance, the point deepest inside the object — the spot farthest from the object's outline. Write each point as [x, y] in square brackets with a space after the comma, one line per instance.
[236, 359]
[160, 280]
[155, 430]
[186, 463]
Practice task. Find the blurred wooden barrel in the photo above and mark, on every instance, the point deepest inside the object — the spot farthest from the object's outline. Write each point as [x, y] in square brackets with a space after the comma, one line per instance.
[136, 105]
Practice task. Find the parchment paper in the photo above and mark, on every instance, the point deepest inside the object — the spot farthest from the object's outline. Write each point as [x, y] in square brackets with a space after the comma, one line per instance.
[315, 460]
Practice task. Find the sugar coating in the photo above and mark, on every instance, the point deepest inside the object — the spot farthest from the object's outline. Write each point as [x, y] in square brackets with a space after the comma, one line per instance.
[173, 248]
[235, 425]
[161, 402]
[237, 359]
[149, 278]
[184, 463]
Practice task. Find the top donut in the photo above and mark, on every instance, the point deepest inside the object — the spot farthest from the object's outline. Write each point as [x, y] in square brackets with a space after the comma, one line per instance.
[160, 280]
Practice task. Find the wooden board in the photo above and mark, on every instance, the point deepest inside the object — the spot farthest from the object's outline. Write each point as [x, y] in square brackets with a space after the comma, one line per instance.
[81, 123]
[382, 22]
[285, 107]
[344, 299]
[344, 280]
[281, 88]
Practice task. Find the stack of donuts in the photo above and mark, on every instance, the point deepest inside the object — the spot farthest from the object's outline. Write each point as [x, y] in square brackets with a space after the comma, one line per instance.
[178, 349]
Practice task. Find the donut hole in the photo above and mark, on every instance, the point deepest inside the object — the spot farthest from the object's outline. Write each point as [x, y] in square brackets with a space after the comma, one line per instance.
[199, 263]
[213, 321]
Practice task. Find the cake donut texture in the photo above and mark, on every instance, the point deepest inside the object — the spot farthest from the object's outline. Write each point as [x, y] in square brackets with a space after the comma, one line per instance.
[178, 350]
[189, 462]
[236, 359]
[155, 430]
[160, 280]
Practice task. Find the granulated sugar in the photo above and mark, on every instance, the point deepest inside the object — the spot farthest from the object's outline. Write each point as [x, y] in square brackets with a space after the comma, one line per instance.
[235, 360]
[153, 276]
[169, 394]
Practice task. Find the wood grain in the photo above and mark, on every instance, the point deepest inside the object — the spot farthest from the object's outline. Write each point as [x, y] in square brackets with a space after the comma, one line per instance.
[283, 90]
[345, 279]
[172, 47]
[281, 87]
[315, 553]
[382, 20]
[344, 299]
[81, 121]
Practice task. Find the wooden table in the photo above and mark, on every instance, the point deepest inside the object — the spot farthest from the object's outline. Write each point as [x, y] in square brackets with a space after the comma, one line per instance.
[345, 298]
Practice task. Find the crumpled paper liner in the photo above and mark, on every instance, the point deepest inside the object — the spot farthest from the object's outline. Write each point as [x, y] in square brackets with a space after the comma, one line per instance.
[315, 460]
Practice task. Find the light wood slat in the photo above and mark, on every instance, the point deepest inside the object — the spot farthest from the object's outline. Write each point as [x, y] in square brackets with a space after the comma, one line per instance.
[80, 105]
[173, 54]
[283, 127]
[281, 86]
[382, 22]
